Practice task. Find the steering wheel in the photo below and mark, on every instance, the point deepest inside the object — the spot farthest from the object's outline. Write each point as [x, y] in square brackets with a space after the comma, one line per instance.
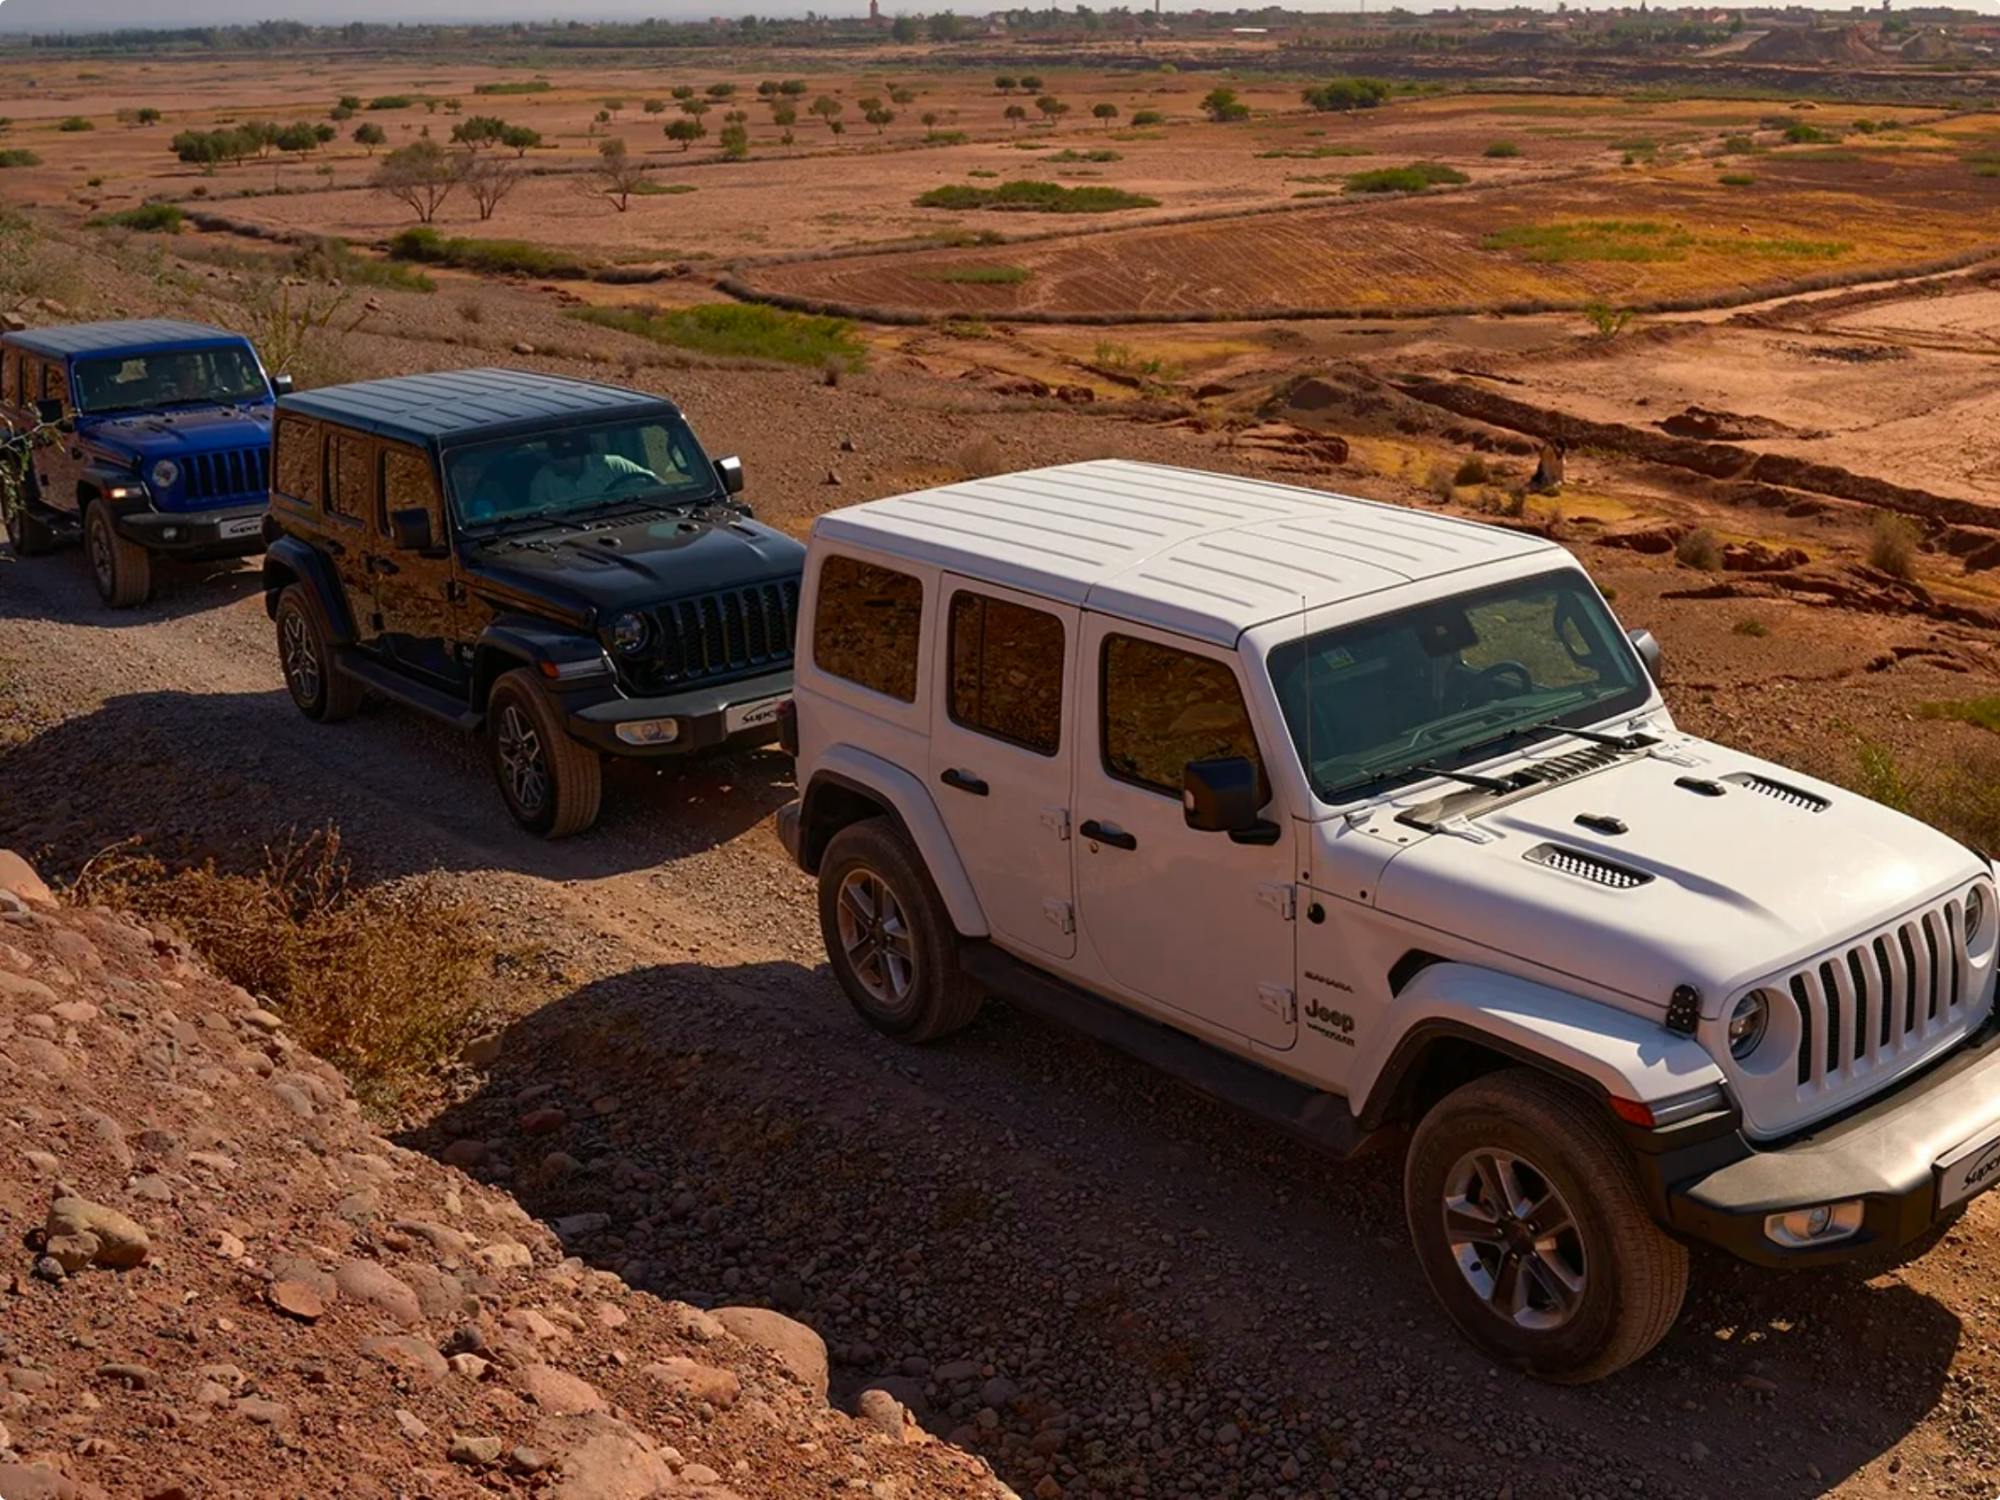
[645, 480]
[1490, 677]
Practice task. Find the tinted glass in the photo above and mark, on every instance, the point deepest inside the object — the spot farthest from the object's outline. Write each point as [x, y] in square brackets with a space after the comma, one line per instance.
[579, 469]
[148, 382]
[1164, 708]
[407, 484]
[298, 459]
[10, 375]
[1007, 671]
[353, 493]
[1449, 682]
[866, 626]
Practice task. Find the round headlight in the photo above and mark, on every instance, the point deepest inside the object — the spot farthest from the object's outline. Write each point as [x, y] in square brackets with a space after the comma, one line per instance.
[1975, 911]
[1748, 1023]
[165, 472]
[628, 632]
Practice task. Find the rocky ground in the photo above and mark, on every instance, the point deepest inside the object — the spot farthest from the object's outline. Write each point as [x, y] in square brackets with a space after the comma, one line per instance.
[1097, 1284]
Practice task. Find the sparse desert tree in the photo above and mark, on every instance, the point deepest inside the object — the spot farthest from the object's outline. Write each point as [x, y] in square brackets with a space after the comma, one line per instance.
[930, 117]
[340, 114]
[794, 88]
[687, 130]
[599, 120]
[421, 176]
[1223, 107]
[1015, 115]
[350, 101]
[617, 174]
[735, 140]
[880, 117]
[201, 148]
[1105, 112]
[828, 109]
[370, 136]
[902, 95]
[298, 137]
[615, 106]
[682, 91]
[869, 105]
[766, 88]
[490, 179]
[475, 131]
[520, 139]
[1005, 83]
[147, 116]
[1051, 107]
[905, 29]
[1031, 83]
[785, 115]
[656, 106]
[944, 26]
[695, 107]
[721, 90]
[1606, 321]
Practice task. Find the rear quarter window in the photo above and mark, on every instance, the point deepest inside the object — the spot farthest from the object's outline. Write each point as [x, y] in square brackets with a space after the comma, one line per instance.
[298, 459]
[867, 625]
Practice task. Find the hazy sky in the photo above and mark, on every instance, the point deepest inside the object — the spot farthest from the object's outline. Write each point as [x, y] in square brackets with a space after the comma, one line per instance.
[59, 15]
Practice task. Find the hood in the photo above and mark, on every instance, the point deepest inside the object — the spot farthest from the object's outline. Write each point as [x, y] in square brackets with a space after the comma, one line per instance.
[178, 434]
[635, 564]
[1742, 882]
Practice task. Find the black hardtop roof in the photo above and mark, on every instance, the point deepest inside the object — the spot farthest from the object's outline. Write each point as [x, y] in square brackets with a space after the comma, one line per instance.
[458, 404]
[132, 335]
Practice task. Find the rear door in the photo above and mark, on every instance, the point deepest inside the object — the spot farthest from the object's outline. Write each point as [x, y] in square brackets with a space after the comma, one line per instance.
[1002, 747]
[353, 499]
[414, 590]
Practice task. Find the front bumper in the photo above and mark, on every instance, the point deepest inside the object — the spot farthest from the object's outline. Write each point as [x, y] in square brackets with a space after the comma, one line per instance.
[1907, 1158]
[738, 715]
[232, 531]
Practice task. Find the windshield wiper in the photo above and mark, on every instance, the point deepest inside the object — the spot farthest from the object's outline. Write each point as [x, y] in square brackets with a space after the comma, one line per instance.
[1496, 784]
[1554, 726]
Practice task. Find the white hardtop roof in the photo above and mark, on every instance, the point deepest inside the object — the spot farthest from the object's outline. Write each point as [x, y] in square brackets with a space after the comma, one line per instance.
[1206, 555]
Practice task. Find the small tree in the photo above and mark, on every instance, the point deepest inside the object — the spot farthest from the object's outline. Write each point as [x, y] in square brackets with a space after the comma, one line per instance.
[475, 131]
[905, 29]
[615, 106]
[785, 115]
[520, 139]
[1005, 83]
[869, 105]
[1223, 107]
[735, 141]
[370, 136]
[489, 179]
[694, 107]
[350, 102]
[828, 109]
[656, 106]
[682, 91]
[721, 90]
[687, 130]
[1031, 83]
[1051, 107]
[421, 176]
[902, 96]
[340, 114]
[148, 116]
[1015, 115]
[880, 117]
[930, 118]
[298, 138]
[794, 88]
[617, 174]
[1105, 112]
[944, 27]
[767, 88]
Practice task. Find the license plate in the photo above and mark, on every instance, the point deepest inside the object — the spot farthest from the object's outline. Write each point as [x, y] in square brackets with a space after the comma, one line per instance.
[753, 715]
[240, 526]
[1969, 1170]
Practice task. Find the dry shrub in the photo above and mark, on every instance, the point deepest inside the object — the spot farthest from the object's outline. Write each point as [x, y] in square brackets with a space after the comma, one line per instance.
[980, 457]
[1960, 796]
[1472, 471]
[1699, 549]
[387, 984]
[1892, 544]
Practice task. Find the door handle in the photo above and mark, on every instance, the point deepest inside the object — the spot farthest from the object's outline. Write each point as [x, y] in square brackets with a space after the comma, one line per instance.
[1115, 838]
[332, 548]
[382, 565]
[965, 781]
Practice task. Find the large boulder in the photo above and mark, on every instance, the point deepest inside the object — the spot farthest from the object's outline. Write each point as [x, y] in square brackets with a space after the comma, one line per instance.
[801, 1351]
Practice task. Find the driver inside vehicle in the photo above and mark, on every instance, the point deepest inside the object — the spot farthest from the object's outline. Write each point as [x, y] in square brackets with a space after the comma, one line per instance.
[576, 472]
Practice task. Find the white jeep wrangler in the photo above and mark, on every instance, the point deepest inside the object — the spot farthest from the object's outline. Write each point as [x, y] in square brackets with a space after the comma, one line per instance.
[1362, 818]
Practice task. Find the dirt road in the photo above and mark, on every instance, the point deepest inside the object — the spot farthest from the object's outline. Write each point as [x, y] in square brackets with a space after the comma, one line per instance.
[1101, 1283]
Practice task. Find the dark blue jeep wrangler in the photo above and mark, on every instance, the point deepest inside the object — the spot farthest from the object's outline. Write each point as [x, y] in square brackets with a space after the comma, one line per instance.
[145, 437]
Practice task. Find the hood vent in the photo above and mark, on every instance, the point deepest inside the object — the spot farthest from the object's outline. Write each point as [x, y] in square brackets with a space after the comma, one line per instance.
[1570, 764]
[1797, 797]
[1594, 868]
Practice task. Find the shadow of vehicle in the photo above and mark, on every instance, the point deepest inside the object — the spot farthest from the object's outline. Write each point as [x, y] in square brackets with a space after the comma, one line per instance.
[223, 775]
[1087, 1236]
[57, 586]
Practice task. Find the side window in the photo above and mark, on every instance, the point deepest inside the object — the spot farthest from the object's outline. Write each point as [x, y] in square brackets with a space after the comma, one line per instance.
[54, 387]
[1007, 671]
[408, 484]
[352, 491]
[867, 624]
[1164, 708]
[299, 466]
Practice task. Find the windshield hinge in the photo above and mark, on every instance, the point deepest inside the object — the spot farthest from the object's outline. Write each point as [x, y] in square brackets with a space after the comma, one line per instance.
[1282, 899]
[1056, 820]
[1464, 828]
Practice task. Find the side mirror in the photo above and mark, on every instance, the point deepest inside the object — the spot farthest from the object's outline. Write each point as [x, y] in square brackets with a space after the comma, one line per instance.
[49, 410]
[410, 530]
[730, 472]
[1648, 649]
[282, 385]
[1222, 796]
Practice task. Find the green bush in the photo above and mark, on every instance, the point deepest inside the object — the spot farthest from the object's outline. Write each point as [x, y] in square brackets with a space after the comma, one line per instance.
[505, 257]
[945, 137]
[1798, 133]
[391, 101]
[76, 124]
[1035, 197]
[525, 86]
[1472, 471]
[1736, 179]
[1147, 117]
[1499, 150]
[15, 157]
[1339, 95]
[147, 218]
[1101, 154]
[741, 330]
[1414, 178]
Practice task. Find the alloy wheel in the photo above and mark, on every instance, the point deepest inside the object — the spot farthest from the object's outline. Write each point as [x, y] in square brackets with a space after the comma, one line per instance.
[523, 765]
[1514, 1239]
[102, 564]
[876, 938]
[301, 658]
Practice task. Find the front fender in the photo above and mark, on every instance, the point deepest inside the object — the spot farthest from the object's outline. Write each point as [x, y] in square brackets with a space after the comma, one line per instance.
[910, 802]
[1597, 1046]
[289, 559]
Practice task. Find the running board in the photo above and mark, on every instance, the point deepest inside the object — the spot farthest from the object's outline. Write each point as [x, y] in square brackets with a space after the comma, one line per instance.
[1320, 1119]
[378, 677]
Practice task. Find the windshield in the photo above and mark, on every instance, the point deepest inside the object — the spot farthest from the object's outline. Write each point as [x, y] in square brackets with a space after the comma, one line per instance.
[565, 473]
[147, 382]
[1441, 683]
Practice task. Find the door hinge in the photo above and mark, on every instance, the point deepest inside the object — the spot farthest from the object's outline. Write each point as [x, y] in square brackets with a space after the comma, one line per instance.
[1279, 1000]
[1056, 819]
[1061, 914]
[1282, 899]
[454, 591]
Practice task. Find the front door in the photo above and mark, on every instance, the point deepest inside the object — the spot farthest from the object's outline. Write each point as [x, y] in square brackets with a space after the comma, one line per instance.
[1188, 919]
[1002, 744]
[353, 499]
[59, 456]
[414, 590]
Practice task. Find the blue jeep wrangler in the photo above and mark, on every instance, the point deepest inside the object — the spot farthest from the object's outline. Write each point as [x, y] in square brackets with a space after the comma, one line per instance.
[144, 437]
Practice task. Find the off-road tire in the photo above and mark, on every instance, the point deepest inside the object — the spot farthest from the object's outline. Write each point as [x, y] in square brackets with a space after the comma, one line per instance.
[322, 692]
[571, 773]
[1634, 1275]
[938, 998]
[27, 534]
[122, 570]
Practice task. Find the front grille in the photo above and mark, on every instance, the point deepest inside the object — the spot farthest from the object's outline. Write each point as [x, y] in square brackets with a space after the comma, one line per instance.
[236, 474]
[1797, 797]
[717, 635]
[1589, 867]
[1882, 998]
